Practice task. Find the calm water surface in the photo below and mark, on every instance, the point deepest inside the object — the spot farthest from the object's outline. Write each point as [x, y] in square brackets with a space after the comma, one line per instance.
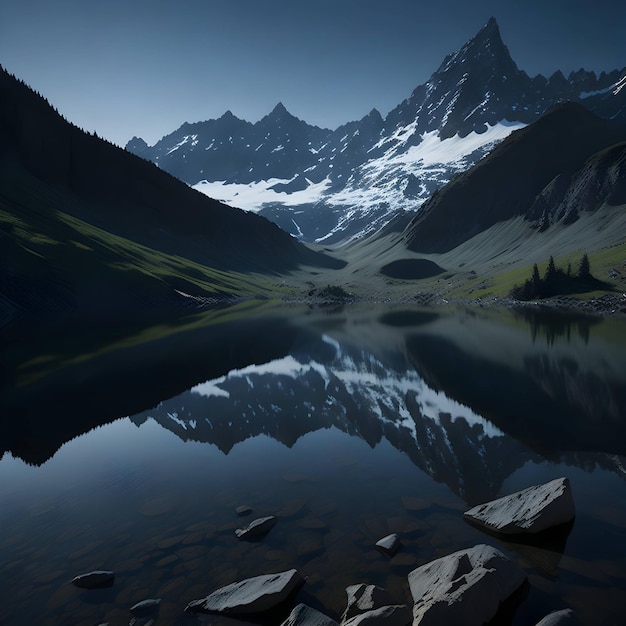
[347, 425]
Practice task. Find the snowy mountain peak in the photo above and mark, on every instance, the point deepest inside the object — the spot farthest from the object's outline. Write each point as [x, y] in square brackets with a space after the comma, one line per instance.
[332, 185]
[280, 112]
[280, 109]
[486, 48]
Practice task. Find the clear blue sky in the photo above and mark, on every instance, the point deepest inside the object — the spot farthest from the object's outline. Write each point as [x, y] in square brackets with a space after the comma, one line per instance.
[143, 67]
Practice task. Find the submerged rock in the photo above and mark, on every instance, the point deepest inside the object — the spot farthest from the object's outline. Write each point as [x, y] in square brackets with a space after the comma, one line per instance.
[559, 618]
[393, 615]
[363, 598]
[531, 510]
[304, 615]
[466, 587]
[146, 607]
[389, 545]
[243, 510]
[94, 580]
[257, 528]
[249, 596]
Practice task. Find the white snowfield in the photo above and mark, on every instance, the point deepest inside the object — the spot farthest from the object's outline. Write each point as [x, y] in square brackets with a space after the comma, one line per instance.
[381, 180]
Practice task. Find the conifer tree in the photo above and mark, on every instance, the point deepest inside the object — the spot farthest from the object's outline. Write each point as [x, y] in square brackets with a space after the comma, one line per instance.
[550, 270]
[584, 269]
[536, 280]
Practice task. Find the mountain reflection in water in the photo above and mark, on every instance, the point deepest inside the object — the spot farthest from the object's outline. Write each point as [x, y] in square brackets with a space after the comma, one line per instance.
[550, 405]
[348, 426]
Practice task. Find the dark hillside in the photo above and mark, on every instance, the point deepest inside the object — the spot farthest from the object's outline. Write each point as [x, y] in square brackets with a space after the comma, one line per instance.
[59, 184]
[508, 181]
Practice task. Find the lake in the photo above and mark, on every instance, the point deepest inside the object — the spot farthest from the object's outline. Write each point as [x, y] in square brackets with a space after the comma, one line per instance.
[347, 423]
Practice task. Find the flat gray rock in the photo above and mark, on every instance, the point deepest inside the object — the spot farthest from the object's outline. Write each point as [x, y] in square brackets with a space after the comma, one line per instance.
[256, 529]
[394, 615]
[249, 596]
[464, 588]
[304, 615]
[363, 598]
[389, 545]
[531, 510]
[94, 580]
[559, 618]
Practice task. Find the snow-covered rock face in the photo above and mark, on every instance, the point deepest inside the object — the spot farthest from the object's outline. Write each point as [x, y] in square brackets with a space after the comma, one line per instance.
[531, 510]
[325, 185]
[466, 587]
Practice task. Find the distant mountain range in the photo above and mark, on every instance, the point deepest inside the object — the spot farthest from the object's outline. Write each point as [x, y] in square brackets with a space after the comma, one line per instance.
[330, 186]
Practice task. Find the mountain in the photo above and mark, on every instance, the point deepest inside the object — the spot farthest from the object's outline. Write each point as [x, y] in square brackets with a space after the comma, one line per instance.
[85, 225]
[331, 186]
[549, 171]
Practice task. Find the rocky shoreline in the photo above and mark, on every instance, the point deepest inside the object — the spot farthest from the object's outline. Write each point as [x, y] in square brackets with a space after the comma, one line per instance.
[466, 587]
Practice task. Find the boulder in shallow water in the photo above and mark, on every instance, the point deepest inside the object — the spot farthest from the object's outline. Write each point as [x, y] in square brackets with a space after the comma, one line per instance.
[249, 596]
[256, 529]
[363, 598]
[389, 545]
[94, 580]
[465, 588]
[531, 510]
[303, 615]
[394, 615]
[559, 618]
[146, 607]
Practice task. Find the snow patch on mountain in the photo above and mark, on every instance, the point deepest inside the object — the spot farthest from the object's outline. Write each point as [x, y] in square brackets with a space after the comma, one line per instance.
[432, 163]
[380, 180]
[252, 196]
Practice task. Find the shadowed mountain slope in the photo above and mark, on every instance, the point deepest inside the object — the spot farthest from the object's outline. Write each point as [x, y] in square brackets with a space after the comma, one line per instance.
[510, 181]
[80, 216]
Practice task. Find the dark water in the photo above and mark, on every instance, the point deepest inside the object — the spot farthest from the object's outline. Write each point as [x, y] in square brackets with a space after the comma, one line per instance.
[347, 425]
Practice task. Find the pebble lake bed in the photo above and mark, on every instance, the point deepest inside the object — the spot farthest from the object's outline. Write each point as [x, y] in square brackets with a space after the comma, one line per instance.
[353, 435]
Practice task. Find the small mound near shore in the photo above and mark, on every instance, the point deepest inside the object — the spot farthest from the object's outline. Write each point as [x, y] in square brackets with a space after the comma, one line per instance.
[411, 269]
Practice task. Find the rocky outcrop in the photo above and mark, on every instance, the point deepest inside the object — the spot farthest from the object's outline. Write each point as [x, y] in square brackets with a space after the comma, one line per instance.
[94, 580]
[249, 596]
[303, 615]
[531, 510]
[464, 588]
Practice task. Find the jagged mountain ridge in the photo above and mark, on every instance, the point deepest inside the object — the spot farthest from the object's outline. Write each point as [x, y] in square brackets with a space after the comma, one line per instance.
[331, 185]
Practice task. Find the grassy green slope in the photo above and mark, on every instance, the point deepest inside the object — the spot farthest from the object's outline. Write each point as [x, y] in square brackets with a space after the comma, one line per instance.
[50, 257]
